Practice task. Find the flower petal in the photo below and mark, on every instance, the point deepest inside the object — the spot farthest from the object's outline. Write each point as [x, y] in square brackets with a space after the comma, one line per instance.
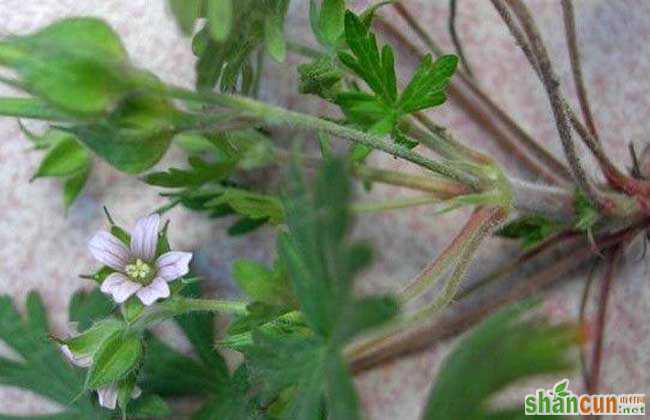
[172, 265]
[108, 397]
[109, 250]
[144, 237]
[156, 290]
[119, 286]
[83, 361]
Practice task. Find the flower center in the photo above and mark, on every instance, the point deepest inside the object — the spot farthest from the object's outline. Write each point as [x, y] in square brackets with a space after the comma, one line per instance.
[139, 271]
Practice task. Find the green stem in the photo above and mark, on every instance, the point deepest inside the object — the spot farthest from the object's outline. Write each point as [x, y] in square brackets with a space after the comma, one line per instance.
[393, 204]
[454, 251]
[30, 108]
[181, 305]
[212, 305]
[438, 140]
[493, 217]
[440, 188]
[275, 115]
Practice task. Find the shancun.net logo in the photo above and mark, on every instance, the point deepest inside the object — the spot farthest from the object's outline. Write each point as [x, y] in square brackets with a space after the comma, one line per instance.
[560, 400]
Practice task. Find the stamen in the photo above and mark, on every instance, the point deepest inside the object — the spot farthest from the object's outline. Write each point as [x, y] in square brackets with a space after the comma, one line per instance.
[138, 271]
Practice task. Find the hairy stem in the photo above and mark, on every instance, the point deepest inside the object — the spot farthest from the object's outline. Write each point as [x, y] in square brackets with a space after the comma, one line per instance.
[180, 305]
[420, 339]
[453, 6]
[400, 203]
[605, 288]
[539, 54]
[563, 238]
[559, 172]
[576, 66]
[419, 30]
[435, 270]
[582, 321]
[552, 202]
[493, 218]
[613, 175]
[274, 115]
[438, 187]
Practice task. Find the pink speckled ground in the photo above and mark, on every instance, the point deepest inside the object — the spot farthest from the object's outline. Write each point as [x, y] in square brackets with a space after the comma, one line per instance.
[43, 250]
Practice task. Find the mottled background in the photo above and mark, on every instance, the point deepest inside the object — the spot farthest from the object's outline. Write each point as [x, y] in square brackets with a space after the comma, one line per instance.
[42, 249]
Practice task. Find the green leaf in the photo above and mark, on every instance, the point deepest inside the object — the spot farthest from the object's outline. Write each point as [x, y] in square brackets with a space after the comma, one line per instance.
[169, 373]
[586, 214]
[115, 359]
[199, 329]
[343, 402]
[130, 152]
[78, 65]
[195, 143]
[314, 22]
[262, 284]
[254, 279]
[88, 307]
[233, 402]
[250, 204]
[254, 23]
[73, 186]
[29, 108]
[36, 315]
[65, 157]
[332, 15]
[369, 14]
[427, 87]
[531, 229]
[220, 17]
[135, 136]
[186, 13]
[368, 313]
[246, 225]
[42, 369]
[274, 38]
[199, 173]
[367, 62]
[320, 77]
[148, 407]
[505, 349]
[381, 111]
[317, 227]
[322, 266]
[280, 362]
[268, 319]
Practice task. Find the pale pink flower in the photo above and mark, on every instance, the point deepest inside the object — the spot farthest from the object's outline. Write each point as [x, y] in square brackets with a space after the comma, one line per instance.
[81, 361]
[137, 270]
[108, 395]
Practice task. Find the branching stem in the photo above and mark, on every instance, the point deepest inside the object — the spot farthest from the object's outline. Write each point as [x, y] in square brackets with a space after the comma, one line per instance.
[539, 58]
[275, 115]
[416, 340]
[558, 173]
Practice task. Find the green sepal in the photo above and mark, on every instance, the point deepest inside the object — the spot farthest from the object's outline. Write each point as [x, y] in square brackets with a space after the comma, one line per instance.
[118, 355]
[132, 309]
[88, 342]
[124, 391]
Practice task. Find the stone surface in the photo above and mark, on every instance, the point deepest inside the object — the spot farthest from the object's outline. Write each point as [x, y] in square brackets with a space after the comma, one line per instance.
[41, 249]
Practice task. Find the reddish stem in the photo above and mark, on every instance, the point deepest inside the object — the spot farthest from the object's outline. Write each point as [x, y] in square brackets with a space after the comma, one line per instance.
[605, 289]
